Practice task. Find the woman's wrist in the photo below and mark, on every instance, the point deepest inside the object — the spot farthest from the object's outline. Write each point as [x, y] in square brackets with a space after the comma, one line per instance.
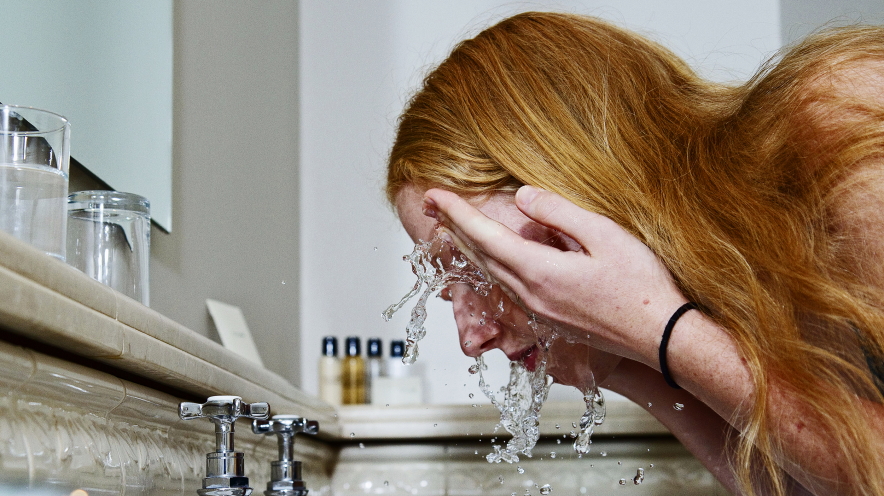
[704, 360]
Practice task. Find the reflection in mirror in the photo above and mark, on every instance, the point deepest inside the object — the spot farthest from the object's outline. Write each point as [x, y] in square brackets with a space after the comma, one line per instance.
[107, 67]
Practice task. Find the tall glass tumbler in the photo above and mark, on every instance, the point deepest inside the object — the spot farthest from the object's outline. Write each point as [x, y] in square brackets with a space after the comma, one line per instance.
[34, 159]
[109, 240]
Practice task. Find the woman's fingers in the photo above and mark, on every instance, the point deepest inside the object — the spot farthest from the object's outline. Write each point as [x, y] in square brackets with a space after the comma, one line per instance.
[554, 211]
[479, 235]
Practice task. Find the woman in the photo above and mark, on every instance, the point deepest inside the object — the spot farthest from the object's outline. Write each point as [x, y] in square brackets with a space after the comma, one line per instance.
[604, 186]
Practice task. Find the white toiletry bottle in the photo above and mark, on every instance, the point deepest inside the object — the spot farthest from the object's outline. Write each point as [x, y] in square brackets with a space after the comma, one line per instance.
[330, 385]
[374, 367]
[402, 384]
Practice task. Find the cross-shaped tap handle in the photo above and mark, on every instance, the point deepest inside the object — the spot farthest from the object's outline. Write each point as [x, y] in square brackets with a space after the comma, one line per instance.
[223, 412]
[285, 427]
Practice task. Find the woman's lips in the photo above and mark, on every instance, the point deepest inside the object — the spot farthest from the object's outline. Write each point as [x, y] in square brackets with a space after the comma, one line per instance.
[528, 358]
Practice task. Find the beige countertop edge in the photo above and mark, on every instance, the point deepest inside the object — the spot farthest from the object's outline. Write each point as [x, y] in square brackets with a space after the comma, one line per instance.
[202, 367]
[368, 422]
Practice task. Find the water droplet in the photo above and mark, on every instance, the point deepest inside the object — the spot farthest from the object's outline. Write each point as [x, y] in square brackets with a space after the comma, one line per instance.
[283, 283]
[574, 424]
[352, 434]
[573, 434]
[520, 470]
[558, 441]
[552, 454]
[678, 406]
[558, 426]
[474, 369]
[475, 405]
[481, 322]
[622, 482]
[500, 478]
[650, 404]
[375, 248]
[619, 463]
[652, 465]
[388, 404]
[639, 476]
[467, 344]
[471, 395]
[361, 446]
[604, 453]
[545, 489]
[386, 483]
[434, 425]
[476, 452]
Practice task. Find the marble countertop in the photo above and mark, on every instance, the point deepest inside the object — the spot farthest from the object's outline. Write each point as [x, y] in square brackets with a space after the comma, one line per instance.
[45, 300]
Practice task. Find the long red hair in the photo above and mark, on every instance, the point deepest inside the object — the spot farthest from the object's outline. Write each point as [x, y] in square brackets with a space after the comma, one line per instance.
[734, 188]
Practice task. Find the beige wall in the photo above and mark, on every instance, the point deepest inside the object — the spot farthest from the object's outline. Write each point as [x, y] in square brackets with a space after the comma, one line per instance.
[235, 183]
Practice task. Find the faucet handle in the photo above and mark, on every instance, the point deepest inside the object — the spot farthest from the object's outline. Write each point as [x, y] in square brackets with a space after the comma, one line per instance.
[285, 473]
[285, 425]
[225, 467]
[224, 409]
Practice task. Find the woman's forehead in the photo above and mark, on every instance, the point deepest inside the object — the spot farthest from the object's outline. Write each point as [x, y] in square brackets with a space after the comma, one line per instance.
[500, 207]
[409, 206]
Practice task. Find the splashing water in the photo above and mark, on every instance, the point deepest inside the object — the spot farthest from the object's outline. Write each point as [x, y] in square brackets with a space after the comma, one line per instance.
[639, 476]
[594, 416]
[437, 264]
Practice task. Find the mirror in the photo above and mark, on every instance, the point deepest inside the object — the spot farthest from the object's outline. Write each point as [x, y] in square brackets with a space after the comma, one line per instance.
[107, 66]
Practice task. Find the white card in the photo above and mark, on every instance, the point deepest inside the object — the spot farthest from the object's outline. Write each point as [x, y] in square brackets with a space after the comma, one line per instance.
[234, 331]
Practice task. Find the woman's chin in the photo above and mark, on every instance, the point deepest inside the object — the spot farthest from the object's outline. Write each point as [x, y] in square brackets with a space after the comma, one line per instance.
[580, 366]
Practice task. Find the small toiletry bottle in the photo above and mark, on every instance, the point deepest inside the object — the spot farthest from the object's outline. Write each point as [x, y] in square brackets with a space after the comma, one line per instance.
[401, 384]
[374, 367]
[354, 373]
[330, 386]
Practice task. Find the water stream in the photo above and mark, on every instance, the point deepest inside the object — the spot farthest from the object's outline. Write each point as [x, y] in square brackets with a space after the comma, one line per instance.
[438, 264]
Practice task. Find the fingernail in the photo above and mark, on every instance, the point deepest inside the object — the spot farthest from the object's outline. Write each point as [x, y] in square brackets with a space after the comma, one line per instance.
[526, 195]
[430, 208]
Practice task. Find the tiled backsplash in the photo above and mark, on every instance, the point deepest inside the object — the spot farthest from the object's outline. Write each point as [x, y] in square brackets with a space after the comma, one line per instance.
[65, 427]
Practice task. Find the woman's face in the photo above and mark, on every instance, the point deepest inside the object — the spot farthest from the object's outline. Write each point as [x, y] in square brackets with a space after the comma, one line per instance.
[495, 321]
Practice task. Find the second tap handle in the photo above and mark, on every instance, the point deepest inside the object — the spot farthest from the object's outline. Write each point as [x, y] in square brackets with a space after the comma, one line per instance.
[285, 427]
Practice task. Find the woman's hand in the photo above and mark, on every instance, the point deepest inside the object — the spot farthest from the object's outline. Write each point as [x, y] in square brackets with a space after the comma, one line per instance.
[612, 293]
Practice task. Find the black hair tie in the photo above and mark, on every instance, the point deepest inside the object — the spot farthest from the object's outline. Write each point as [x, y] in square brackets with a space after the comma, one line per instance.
[664, 342]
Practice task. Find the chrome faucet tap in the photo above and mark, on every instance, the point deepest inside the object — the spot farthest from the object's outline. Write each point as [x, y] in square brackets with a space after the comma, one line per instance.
[225, 467]
[285, 473]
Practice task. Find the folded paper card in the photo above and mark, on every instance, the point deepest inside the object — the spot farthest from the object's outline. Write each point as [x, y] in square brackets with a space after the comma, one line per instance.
[235, 335]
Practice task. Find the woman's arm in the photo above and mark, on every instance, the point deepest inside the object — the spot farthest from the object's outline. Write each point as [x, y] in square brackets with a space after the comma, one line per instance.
[705, 434]
[699, 429]
[617, 296]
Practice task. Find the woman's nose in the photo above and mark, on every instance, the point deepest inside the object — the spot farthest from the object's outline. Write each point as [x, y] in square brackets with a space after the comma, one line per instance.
[477, 329]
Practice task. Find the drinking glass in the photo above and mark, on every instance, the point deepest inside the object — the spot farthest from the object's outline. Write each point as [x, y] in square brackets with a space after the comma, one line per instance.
[34, 160]
[109, 240]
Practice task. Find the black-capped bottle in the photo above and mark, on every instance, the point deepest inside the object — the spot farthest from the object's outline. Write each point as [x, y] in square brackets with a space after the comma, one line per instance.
[353, 376]
[330, 385]
[374, 367]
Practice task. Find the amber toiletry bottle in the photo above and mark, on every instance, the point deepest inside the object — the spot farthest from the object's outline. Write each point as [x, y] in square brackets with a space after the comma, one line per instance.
[330, 386]
[353, 373]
